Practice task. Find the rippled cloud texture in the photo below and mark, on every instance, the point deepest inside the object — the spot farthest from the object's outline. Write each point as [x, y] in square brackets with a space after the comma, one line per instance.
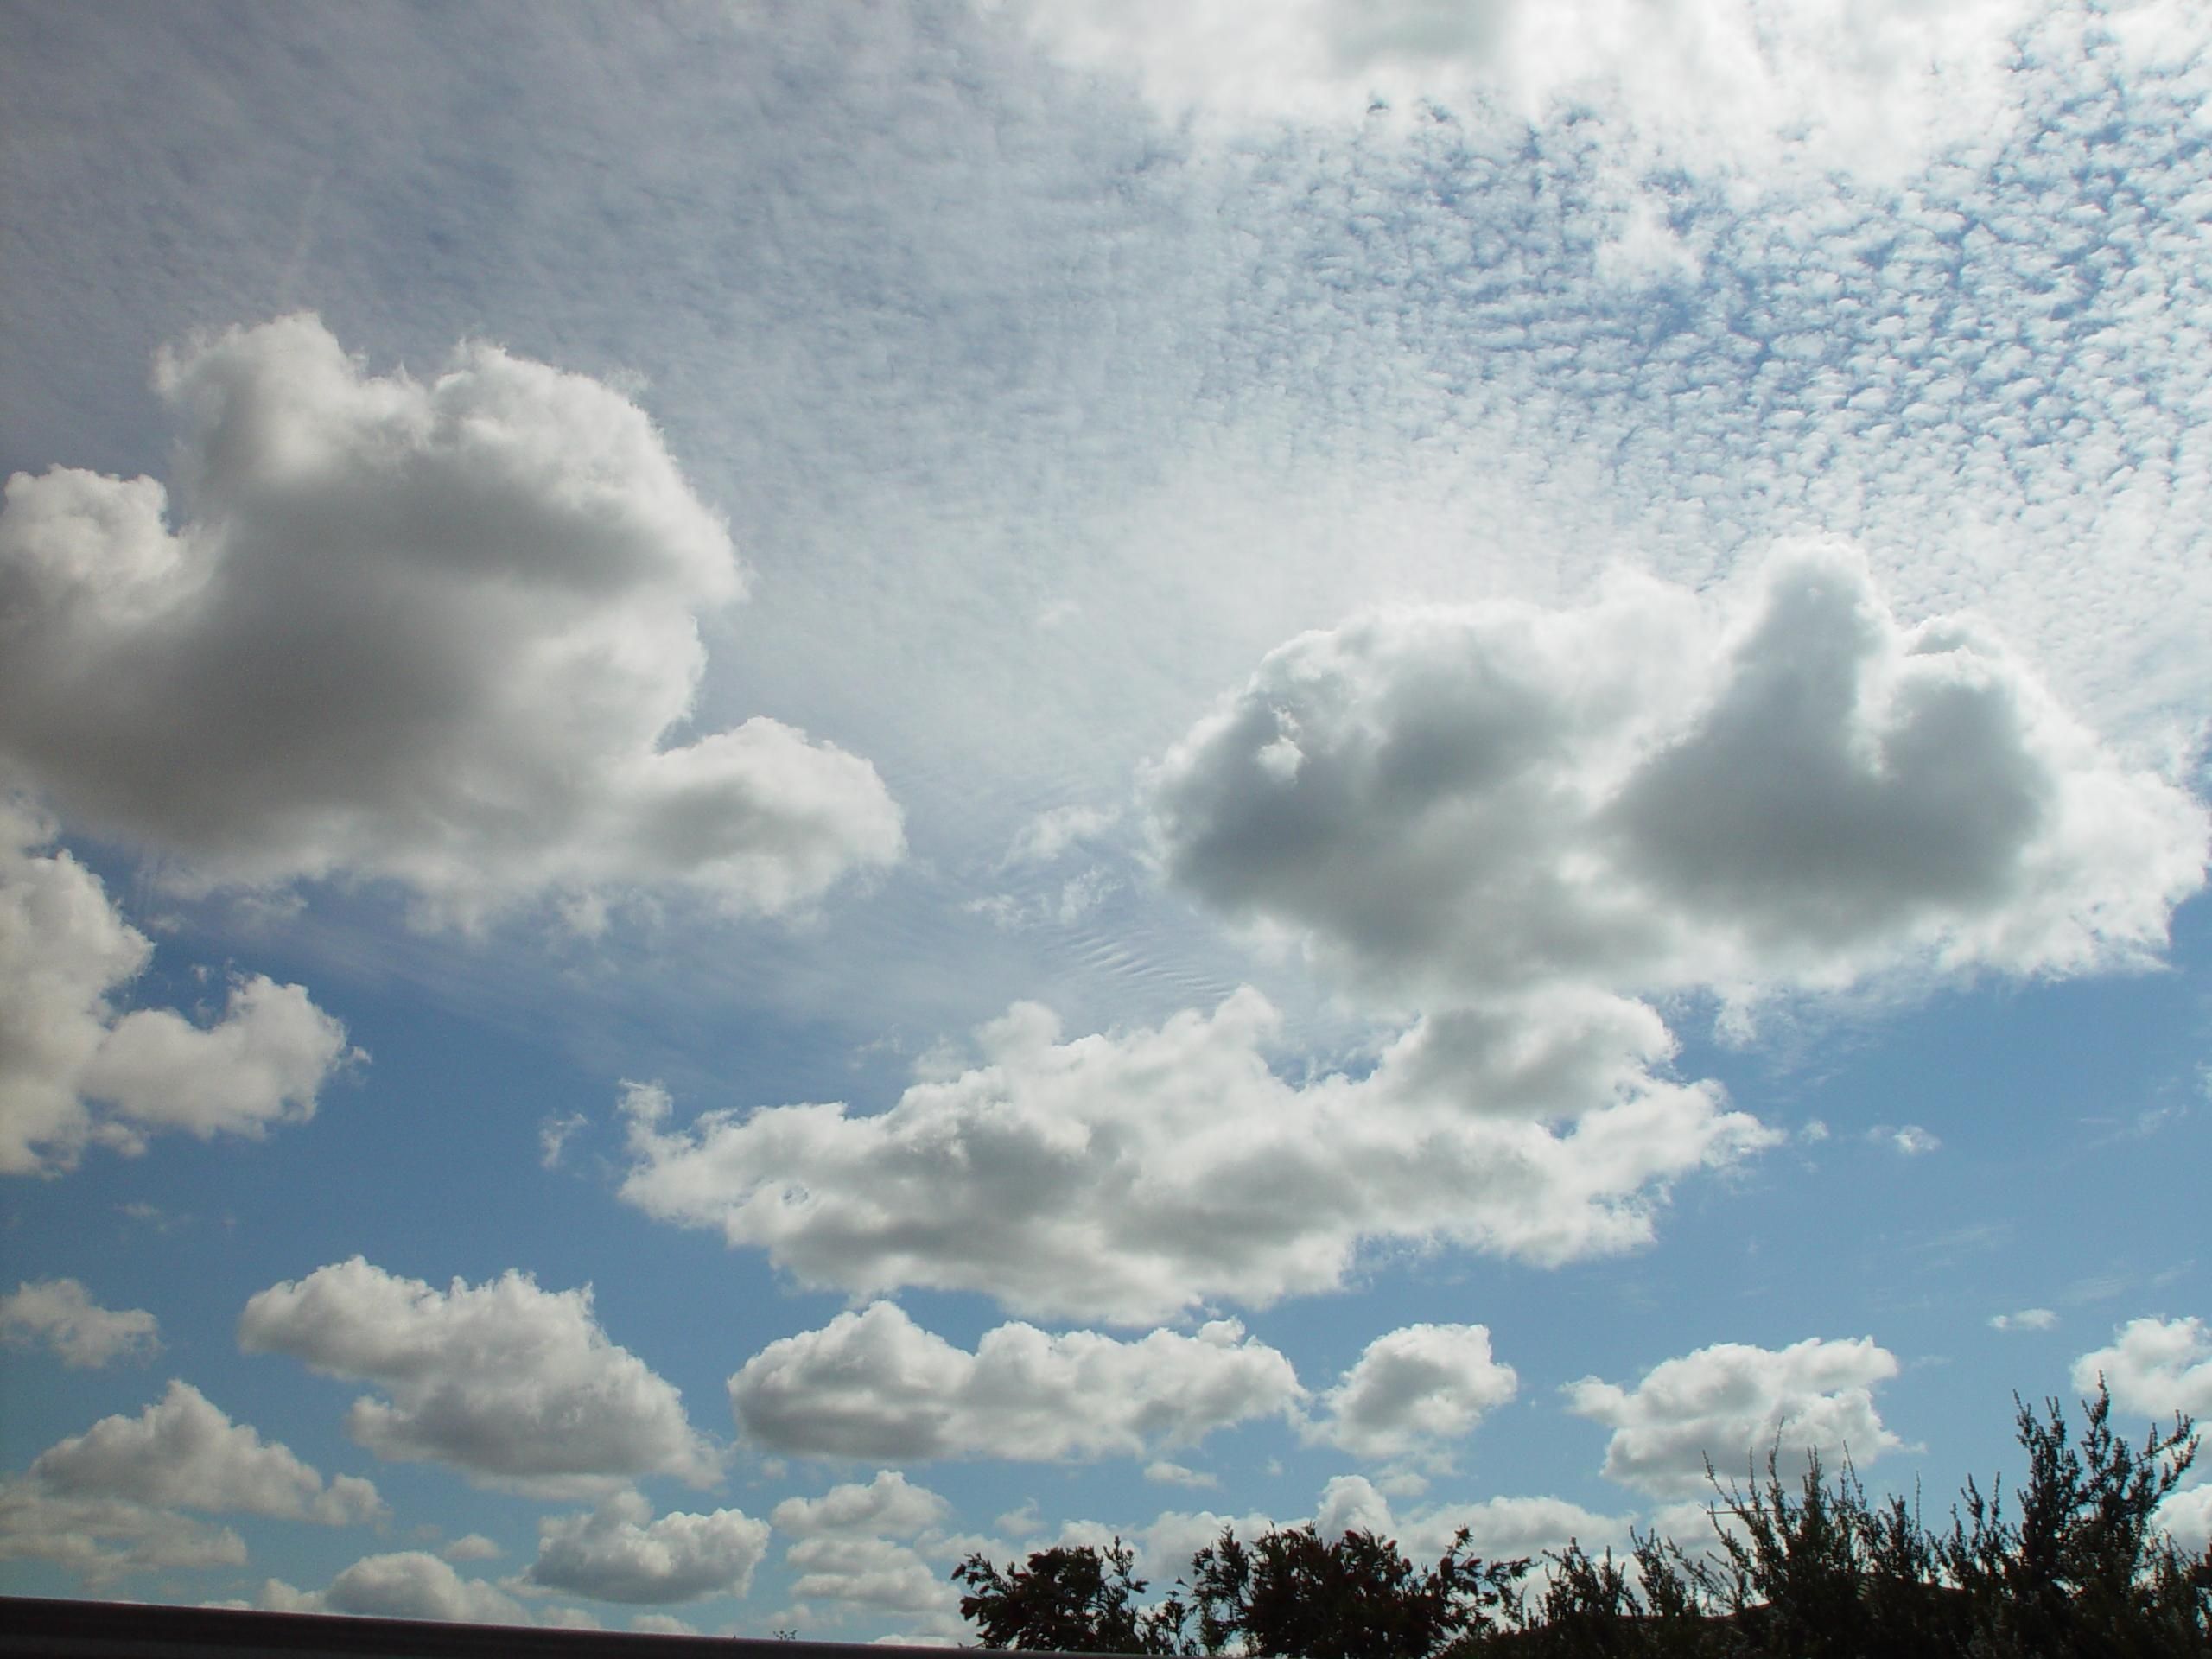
[790, 790]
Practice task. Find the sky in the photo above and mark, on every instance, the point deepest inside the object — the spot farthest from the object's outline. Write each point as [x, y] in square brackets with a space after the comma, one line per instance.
[791, 789]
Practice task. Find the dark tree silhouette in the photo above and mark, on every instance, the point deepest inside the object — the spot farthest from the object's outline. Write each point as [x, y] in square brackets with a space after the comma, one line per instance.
[2072, 1567]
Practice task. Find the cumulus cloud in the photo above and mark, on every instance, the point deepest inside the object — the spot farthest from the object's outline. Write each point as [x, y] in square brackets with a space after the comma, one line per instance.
[621, 1553]
[408, 1584]
[1128, 1176]
[875, 1574]
[102, 1538]
[2157, 1366]
[874, 1384]
[889, 1506]
[1415, 1391]
[860, 1547]
[516, 1386]
[435, 631]
[1729, 1405]
[183, 1453]
[1779, 786]
[1734, 86]
[76, 1070]
[471, 1546]
[1497, 1528]
[60, 1314]
[2028, 1319]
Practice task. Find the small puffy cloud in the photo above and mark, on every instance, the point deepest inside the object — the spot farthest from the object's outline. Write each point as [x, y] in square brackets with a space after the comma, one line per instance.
[621, 1553]
[183, 1453]
[2187, 1514]
[60, 1314]
[102, 1538]
[409, 1584]
[2155, 1366]
[1132, 1175]
[516, 1386]
[1161, 1472]
[874, 1384]
[661, 1625]
[1729, 1405]
[76, 1070]
[1909, 1141]
[1498, 1528]
[2028, 1319]
[890, 1506]
[434, 631]
[1413, 1392]
[553, 1135]
[1779, 786]
[471, 1546]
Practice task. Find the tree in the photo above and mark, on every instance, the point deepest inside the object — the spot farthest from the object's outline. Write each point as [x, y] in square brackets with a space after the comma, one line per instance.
[1072, 1598]
[2084, 1569]
[1289, 1594]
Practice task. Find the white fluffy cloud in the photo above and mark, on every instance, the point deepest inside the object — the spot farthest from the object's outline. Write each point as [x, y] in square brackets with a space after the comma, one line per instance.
[1729, 1404]
[408, 1584]
[855, 1550]
[873, 1574]
[61, 1315]
[621, 1553]
[183, 1453]
[1735, 86]
[1415, 1391]
[76, 1070]
[889, 1506]
[102, 1538]
[874, 1384]
[1128, 1176]
[1783, 786]
[2157, 1366]
[434, 631]
[1498, 1528]
[517, 1386]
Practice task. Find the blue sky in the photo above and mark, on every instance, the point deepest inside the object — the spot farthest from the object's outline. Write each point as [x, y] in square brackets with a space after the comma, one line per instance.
[791, 789]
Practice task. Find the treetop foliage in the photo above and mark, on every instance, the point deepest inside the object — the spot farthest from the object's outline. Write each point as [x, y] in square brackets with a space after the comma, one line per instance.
[2072, 1564]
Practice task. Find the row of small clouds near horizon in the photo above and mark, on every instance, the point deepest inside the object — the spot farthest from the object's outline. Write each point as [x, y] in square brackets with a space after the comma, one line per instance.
[518, 1388]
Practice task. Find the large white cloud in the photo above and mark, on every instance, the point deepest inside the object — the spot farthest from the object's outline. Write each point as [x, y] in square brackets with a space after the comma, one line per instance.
[517, 1386]
[76, 1070]
[871, 1573]
[1128, 1176]
[61, 1313]
[1869, 86]
[1414, 1392]
[438, 631]
[889, 1506]
[102, 1538]
[1729, 1405]
[874, 1384]
[1779, 786]
[183, 1453]
[621, 1553]
[2157, 1366]
[407, 1584]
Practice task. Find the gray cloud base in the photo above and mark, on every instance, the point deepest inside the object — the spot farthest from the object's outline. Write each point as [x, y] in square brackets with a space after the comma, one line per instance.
[1783, 787]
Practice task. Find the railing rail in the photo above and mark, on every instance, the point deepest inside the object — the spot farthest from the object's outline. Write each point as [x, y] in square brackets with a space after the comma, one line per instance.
[37, 1627]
